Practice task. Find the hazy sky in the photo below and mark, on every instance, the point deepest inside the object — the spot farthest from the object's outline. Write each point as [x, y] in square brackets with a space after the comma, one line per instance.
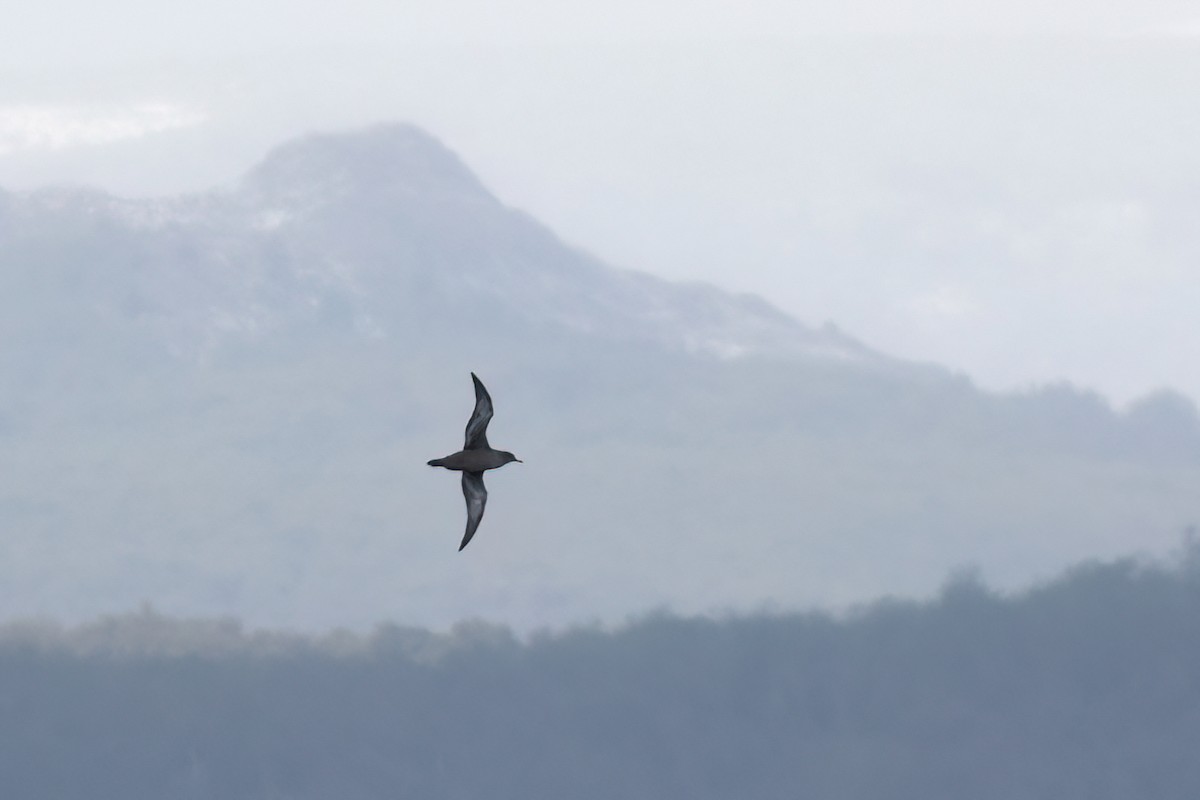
[1009, 188]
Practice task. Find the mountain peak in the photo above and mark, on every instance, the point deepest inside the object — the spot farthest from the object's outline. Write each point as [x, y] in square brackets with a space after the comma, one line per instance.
[392, 159]
[393, 189]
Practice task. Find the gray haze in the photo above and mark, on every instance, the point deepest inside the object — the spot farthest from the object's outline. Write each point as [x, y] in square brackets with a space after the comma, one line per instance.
[785, 305]
[223, 403]
[1004, 188]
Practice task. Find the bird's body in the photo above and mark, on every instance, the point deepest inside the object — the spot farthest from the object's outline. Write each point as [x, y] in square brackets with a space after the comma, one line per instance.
[475, 457]
[474, 460]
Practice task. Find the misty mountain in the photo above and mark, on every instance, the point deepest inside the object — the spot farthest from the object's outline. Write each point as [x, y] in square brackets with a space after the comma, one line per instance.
[223, 403]
[1084, 687]
[384, 232]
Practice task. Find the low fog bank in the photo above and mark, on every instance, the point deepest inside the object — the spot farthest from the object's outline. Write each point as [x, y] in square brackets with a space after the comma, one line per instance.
[1086, 686]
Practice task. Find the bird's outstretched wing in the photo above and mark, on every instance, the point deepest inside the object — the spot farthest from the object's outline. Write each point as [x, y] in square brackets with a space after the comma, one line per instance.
[476, 496]
[477, 425]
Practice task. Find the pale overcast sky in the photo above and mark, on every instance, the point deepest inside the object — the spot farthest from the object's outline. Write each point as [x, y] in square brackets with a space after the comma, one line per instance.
[1008, 188]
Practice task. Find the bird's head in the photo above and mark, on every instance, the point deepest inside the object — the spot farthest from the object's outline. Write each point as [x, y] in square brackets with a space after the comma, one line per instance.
[510, 457]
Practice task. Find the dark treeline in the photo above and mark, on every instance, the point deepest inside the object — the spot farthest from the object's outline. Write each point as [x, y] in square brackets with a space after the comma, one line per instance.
[1087, 687]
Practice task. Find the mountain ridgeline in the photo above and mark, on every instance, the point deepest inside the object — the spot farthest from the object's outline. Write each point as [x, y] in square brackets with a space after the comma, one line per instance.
[1084, 687]
[223, 403]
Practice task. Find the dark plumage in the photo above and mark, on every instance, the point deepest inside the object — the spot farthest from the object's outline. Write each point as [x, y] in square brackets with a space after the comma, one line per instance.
[475, 457]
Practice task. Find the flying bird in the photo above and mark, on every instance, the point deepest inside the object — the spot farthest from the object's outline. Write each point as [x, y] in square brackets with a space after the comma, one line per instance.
[475, 457]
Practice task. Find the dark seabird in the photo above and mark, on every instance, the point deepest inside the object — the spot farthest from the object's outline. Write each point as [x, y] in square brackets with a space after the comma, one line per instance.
[475, 457]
